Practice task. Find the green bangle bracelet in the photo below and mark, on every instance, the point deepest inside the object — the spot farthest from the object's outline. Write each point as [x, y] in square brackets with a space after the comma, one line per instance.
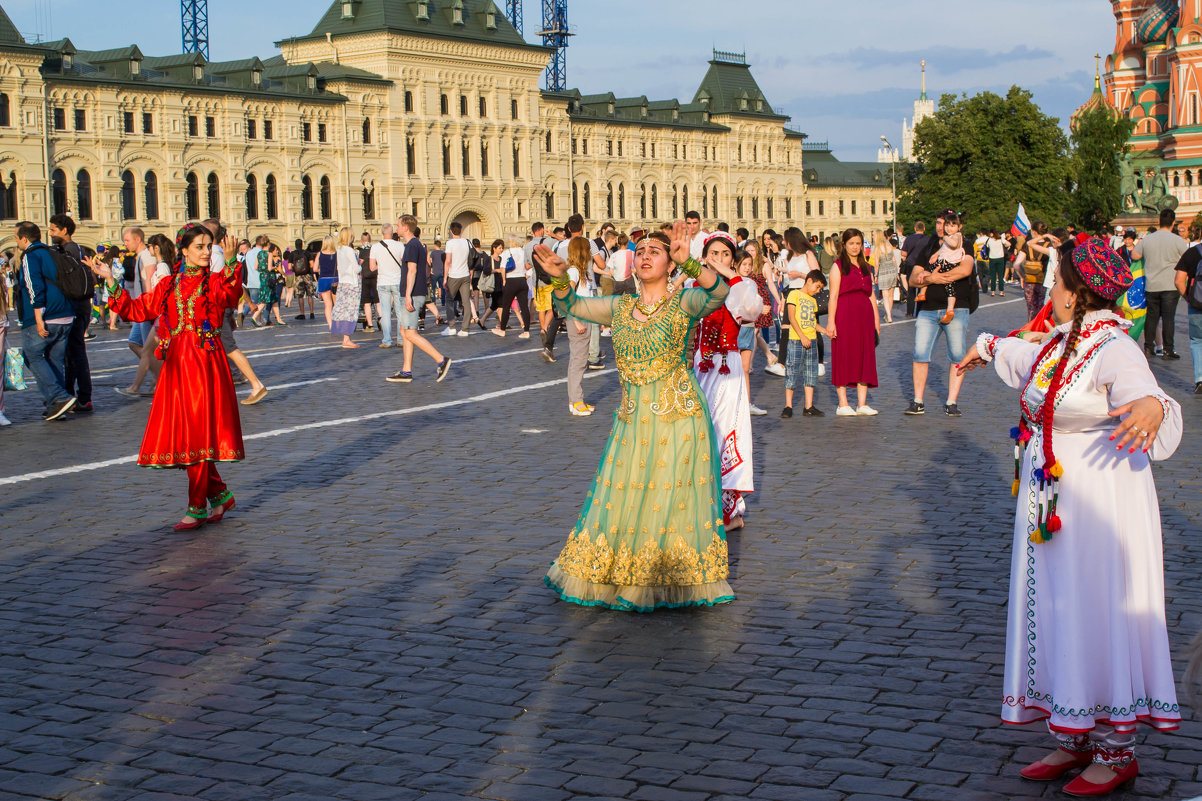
[560, 283]
[690, 267]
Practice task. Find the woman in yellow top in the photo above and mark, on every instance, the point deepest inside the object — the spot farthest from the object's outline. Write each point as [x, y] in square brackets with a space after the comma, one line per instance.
[650, 535]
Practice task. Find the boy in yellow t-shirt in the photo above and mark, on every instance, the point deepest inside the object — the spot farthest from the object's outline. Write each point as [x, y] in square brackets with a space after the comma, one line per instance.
[802, 362]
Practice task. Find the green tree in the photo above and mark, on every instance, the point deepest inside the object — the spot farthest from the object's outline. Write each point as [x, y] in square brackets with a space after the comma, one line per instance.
[1099, 140]
[984, 155]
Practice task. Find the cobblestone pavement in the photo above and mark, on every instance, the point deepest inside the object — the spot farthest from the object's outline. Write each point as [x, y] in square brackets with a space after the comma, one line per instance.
[370, 622]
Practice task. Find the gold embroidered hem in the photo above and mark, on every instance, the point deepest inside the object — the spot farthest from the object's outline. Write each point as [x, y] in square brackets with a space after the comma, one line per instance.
[631, 598]
[191, 457]
[594, 560]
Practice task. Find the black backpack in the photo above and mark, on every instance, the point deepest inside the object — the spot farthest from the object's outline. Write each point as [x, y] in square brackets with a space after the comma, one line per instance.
[73, 279]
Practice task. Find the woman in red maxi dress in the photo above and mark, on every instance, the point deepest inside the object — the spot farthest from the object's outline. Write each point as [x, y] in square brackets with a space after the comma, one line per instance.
[854, 327]
[194, 419]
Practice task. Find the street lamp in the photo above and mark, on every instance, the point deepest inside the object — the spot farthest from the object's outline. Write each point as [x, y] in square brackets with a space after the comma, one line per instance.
[893, 162]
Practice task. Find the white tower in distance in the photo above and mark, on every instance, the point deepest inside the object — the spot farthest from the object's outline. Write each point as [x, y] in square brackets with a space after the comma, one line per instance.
[923, 107]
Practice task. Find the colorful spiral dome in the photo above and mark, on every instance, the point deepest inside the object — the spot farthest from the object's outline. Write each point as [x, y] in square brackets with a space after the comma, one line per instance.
[1157, 21]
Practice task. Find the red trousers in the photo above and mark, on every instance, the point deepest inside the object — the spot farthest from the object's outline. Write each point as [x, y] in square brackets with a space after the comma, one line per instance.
[205, 488]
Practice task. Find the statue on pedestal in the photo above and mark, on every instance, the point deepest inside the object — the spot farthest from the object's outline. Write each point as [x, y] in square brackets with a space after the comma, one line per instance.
[1156, 197]
[1128, 186]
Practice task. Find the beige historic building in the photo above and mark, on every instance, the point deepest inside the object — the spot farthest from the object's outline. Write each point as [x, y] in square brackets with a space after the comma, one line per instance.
[396, 106]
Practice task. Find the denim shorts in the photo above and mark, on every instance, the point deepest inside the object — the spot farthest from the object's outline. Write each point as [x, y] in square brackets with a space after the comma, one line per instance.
[139, 331]
[408, 319]
[927, 331]
[801, 365]
[747, 337]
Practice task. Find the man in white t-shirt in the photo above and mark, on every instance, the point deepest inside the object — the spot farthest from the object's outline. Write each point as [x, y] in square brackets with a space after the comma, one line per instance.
[386, 258]
[692, 224]
[459, 282]
[250, 286]
[134, 240]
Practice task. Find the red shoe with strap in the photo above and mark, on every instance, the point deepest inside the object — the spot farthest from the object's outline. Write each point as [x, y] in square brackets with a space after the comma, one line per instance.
[224, 508]
[1085, 789]
[1043, 772]
[189, 526]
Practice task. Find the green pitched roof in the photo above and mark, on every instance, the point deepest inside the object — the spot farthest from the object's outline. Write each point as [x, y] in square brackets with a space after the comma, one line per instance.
[8, 32]
[822, 169]
[730, 88]
[402, 16]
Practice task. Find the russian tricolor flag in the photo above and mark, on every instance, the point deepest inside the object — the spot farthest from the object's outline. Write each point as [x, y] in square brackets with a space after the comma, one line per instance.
[1022, 225]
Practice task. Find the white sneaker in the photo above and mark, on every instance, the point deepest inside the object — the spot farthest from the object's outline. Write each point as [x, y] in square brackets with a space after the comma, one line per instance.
[464, 334]
[821, 369]
[4, 421]
[524, 335]
[845, 411]
[756, 411]
[866, 411]
[448, 332]
[499, 332]
[775, 369]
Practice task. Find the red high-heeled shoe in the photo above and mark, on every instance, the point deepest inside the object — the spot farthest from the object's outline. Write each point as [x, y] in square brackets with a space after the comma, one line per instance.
[1122, 778]
[217, 517]
[192, 526]
[1043, 772]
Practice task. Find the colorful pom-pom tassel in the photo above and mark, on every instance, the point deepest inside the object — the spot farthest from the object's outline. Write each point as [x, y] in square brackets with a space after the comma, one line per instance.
[1025, 437]
[1036, 537]
[1057, 471]
[1053, 524]
[1015, 433]
[1014, 488]
[1039, 474]
[706, 365]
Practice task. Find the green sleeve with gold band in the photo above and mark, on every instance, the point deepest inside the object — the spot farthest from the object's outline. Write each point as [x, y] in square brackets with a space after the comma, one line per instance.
[690, 267]
[560, 282]
[115, 289]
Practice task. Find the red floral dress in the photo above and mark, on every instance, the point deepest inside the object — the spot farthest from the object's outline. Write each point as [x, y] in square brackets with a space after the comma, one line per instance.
[194, 416]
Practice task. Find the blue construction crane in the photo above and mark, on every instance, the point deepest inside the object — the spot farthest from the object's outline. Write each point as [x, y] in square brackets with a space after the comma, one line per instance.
[555, 34]
[513, 10]
[195, 17]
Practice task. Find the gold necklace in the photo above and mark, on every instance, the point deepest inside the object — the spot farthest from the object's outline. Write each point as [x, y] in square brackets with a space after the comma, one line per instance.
[654, 307]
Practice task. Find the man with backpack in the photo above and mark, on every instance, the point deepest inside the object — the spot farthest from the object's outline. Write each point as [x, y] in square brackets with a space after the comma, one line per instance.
[47, 313]
[77, 379]
[1186, 279]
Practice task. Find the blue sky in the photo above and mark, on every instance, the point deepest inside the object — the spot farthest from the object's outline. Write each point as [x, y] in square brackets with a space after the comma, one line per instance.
[843, 78]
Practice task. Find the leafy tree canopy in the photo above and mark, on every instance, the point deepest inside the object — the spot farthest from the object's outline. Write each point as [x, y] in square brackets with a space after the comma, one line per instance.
[1099, 140]
[984, 155]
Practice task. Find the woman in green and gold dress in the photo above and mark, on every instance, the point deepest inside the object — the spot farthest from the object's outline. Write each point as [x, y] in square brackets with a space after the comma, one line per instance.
[650, 534]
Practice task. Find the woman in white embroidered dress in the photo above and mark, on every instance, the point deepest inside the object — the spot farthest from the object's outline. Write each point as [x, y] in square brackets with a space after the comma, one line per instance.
[718, 366]
[1087, 647]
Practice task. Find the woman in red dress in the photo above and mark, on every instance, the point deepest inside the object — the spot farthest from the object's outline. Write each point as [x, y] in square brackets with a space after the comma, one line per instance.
[854, 325]
[194, 417]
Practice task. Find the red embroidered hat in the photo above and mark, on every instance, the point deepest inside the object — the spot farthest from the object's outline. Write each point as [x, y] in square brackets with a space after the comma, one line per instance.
[1102, 269]
[720, 236]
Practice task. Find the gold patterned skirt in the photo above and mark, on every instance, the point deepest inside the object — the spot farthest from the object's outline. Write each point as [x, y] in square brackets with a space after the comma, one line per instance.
[650, 535]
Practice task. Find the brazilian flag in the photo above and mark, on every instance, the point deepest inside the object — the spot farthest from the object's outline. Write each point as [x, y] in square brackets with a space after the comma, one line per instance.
[1134, 304]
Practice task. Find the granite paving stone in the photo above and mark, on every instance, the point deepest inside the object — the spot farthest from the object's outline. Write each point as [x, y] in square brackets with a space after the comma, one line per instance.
[370, 624]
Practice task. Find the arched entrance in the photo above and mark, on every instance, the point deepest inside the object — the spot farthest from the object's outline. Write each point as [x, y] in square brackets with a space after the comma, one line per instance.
[473, 228]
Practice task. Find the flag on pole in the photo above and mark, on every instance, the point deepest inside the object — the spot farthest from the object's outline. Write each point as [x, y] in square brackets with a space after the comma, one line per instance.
[1134, 304]
[1022, 225]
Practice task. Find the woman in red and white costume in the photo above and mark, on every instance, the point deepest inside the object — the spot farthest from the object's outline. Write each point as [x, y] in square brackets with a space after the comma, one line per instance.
[719, 369]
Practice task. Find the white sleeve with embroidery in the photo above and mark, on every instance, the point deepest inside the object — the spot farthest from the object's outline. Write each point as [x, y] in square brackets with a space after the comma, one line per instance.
[744, 302]
[1124, 374]
[1013, 358]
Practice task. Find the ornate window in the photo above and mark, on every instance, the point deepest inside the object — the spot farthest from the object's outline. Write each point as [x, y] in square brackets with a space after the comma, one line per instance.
[150, 193]
[58, 192]
[83, 195]
[128, 202]
[367, 132]
[325, 197]
[192, 197]
[272, 194]
[369, 199]
[252, 197]
[306, 198]
[214, 195]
